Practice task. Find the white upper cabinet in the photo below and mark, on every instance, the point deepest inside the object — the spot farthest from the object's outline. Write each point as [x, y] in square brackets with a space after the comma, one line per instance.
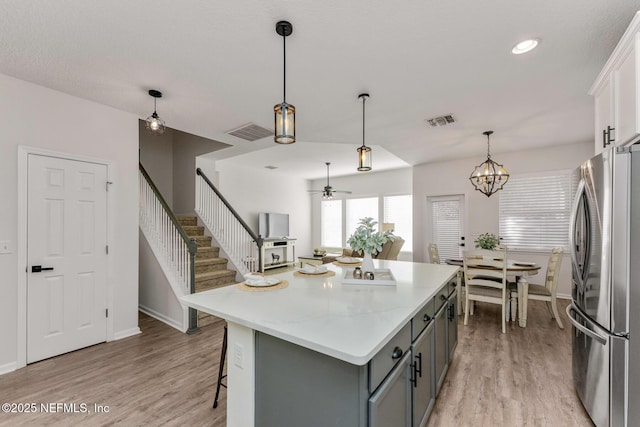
[617, 93]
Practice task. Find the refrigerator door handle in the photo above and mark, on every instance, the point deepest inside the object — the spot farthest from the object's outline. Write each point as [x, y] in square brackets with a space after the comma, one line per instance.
[588, 332]
[572, 229]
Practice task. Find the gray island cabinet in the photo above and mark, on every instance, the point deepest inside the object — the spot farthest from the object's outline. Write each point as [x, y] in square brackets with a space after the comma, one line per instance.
[324, 353]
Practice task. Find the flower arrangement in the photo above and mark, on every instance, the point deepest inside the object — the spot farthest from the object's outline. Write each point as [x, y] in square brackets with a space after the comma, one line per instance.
[487, 241]
[364, 239]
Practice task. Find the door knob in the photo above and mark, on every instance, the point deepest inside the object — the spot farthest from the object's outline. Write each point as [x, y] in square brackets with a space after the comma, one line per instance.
[39, 268]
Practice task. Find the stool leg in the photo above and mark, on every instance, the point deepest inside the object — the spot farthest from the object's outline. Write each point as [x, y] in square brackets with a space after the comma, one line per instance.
[223, 356]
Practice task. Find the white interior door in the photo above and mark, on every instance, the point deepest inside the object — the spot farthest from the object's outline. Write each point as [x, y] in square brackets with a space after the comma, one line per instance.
[446, 224]
[67, 238]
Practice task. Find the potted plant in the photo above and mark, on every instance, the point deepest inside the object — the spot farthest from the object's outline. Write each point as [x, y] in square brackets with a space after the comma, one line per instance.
[368, 241]
[487, 241]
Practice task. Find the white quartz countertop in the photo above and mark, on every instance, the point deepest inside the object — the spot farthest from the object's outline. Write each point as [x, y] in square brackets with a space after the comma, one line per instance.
[348, 322]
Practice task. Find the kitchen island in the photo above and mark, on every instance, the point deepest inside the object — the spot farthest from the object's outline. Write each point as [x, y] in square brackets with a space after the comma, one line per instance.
[320, 352]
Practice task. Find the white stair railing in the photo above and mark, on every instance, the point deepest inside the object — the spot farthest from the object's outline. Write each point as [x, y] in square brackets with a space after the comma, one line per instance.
[171, 245]
[240, 243]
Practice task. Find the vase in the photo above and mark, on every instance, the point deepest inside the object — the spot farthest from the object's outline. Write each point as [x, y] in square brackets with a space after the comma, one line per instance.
[367, 262]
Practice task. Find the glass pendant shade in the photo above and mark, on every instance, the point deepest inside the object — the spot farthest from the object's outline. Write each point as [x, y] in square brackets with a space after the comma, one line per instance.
[285, 123]
[154, 123]
[364, 158]
[489, 176]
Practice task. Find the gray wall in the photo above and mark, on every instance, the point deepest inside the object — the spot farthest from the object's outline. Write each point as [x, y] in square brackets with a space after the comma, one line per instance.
[170, 160]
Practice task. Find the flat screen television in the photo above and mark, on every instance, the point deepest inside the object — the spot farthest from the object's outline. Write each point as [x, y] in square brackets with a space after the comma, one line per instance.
[273, 225]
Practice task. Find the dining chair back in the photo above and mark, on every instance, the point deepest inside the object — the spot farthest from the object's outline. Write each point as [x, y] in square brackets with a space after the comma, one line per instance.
[547, 292]
[485, 274]
[391, 249]
[434, 255]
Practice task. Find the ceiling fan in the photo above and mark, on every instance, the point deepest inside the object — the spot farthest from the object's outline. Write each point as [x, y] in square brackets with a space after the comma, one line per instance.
[328, 191]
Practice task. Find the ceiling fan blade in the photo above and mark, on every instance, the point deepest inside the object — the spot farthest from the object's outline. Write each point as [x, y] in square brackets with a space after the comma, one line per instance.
[315, 191]
[341, 191]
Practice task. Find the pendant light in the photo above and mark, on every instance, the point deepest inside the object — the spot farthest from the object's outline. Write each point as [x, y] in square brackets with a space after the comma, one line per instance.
[489, 177]
[285, 114]
[154, 123]
[364, 152]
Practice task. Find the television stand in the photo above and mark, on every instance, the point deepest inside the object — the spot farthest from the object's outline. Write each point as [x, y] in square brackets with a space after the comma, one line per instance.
[276, 253]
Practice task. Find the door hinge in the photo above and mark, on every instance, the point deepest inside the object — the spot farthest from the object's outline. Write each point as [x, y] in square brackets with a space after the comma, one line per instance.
[106, 314]
[107, 249]
[107, 185]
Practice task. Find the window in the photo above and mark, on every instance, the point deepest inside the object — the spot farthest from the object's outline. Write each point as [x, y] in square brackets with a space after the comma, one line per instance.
[398, 210]
[338, 219]
[535, 211]
[331, 223]
[358, 209]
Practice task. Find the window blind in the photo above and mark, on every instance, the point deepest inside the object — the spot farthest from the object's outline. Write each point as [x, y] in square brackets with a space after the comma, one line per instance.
[398, 210]
[331, 223]
[535, 211]
[446, 226]
[358, 209]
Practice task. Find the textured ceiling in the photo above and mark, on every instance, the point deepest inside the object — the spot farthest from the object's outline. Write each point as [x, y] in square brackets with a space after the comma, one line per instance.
[219, 65]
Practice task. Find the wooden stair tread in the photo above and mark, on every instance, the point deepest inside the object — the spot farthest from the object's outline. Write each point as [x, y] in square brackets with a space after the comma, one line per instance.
[193, 230]
[214, 274]
[213, 260]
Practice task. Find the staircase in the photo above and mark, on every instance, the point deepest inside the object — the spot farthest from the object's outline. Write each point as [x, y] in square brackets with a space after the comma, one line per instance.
[211, 270]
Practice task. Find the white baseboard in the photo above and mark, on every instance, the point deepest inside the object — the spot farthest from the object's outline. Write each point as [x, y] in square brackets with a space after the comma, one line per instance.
[161, 317]
[8, 367]
[563, 296]
[126, 333]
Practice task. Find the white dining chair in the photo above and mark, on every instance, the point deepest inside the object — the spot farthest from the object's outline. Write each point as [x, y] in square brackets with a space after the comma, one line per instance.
[485, 274]
[547, 292]
[434, 255]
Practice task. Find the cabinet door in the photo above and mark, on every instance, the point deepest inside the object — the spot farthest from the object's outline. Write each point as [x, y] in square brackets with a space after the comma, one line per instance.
[452, 329]
[424, 393]
[441, 349]
[626, 96]
[390, 405]
[604, 114]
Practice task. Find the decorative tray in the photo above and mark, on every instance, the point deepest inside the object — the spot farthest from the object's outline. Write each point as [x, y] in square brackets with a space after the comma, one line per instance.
[381, 276]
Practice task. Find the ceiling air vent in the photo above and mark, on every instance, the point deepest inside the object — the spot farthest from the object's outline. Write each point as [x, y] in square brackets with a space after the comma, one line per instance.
[441, 121]
[251, 132]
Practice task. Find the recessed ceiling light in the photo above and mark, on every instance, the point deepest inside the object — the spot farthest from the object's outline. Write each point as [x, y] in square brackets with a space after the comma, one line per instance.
[525, 46]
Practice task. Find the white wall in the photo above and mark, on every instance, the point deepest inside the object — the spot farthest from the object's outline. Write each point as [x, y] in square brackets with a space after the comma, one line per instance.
[156, 296]
[251, 191]
[369, 184]
[35, 116]
[445, 178]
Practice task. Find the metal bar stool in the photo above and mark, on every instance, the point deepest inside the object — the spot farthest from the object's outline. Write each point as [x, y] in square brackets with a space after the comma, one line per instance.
[223, 356]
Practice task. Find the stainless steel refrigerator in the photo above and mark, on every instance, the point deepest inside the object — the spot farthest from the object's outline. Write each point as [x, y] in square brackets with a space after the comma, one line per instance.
[605, 310]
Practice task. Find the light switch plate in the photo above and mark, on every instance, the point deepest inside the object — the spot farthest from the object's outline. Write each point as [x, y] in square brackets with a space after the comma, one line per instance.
[239, 356]
[5, 247]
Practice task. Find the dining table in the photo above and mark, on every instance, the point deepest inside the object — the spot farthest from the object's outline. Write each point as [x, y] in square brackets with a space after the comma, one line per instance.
[519, 269]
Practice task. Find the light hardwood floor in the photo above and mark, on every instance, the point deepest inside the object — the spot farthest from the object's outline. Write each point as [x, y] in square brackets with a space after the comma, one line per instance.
[521, 378]
[164, 377]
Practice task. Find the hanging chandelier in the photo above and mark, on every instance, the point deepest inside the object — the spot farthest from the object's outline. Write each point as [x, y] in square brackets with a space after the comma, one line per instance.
[285, 114]
[364, 152]
[489, 177]
[154, 123]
